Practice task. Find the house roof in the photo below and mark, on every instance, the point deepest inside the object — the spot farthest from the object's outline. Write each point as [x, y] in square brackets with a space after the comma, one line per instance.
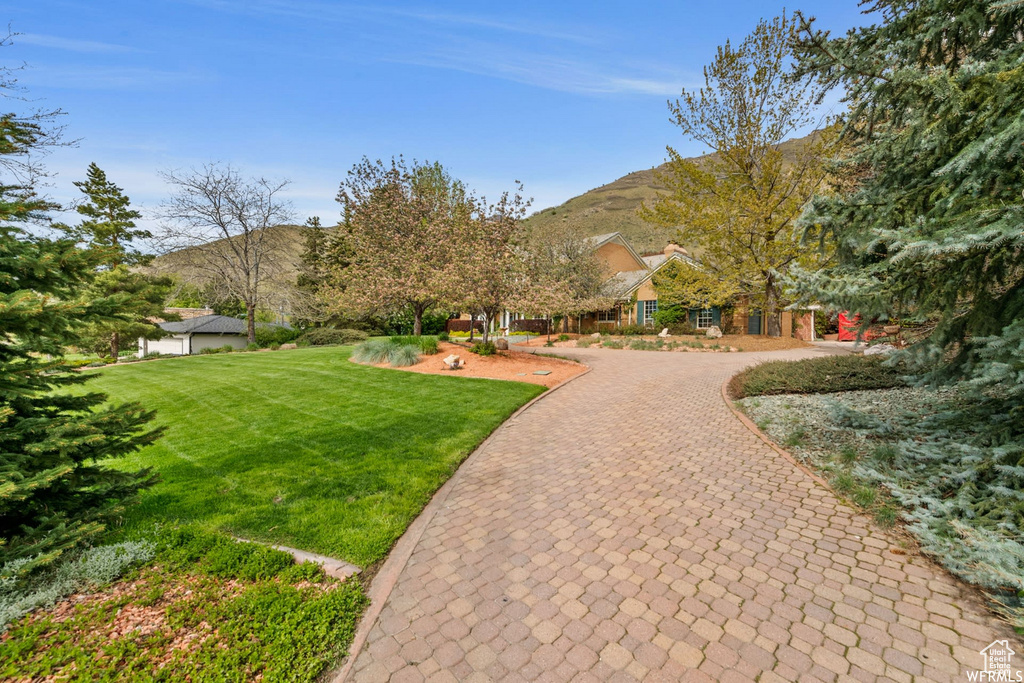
[212, 324]
[623, 284]
[598, 241]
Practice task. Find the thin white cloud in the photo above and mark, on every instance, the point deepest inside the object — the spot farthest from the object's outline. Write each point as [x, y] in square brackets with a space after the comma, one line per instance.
[70, 44]
[544, 71]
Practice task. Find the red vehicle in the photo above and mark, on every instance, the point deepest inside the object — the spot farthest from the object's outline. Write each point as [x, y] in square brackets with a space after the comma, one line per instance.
[849, 328]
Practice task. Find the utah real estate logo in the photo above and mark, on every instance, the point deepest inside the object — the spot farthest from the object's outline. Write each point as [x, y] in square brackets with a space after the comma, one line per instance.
[997, 664]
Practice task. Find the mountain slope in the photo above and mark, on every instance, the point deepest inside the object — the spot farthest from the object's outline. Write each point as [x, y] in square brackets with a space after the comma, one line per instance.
[613, 208]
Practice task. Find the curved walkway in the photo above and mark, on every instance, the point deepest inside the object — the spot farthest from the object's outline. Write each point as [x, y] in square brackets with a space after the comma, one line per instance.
[629, 527]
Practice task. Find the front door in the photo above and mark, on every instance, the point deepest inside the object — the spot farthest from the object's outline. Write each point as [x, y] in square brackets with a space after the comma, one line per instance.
[754, 323]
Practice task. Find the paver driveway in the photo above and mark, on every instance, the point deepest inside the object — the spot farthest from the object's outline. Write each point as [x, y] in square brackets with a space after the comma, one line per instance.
[629, 527]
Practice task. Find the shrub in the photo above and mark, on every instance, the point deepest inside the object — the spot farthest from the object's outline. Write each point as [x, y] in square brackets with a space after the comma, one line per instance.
[329, 336]
[267, 334]
[816, 376]
[583, 342]
[274, 347]
[564, 337]
[671, 315]
[443, 337]
[484, 349]
[209, 351]
[227, 348]
[631, 330]
[612, 344]
[252, 346]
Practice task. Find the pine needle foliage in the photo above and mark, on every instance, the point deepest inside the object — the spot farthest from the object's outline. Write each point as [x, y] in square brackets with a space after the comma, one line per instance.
[929, 228]
[55, 491]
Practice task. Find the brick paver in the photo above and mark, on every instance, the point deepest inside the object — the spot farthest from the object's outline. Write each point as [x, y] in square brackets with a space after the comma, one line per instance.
[629, 527]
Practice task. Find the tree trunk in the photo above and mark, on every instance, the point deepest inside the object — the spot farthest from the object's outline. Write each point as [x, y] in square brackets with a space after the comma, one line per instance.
[115, 345]
[565, 324]
[773, 322]
[417, 321]
[487, 326]
[250, 322]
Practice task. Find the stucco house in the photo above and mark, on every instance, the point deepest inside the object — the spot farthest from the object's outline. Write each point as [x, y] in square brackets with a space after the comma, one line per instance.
[191, 335]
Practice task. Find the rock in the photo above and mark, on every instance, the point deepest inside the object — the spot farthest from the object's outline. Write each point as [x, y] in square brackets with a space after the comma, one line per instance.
[714, 332]
[664, 333]
[501, 344]
[596, 335]
[453, 362]
[879, 350]
[289, 346]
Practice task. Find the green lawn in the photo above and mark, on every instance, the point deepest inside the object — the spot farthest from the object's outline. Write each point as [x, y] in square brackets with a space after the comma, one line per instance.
[303, 447]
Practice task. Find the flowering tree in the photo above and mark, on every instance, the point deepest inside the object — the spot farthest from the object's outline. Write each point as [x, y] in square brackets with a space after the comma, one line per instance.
[565, 278]
[492, 258]
[404, 226]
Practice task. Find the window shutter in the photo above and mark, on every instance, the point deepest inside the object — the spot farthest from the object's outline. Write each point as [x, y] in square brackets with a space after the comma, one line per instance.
[693, 317]
[716, 316]
[639, 312]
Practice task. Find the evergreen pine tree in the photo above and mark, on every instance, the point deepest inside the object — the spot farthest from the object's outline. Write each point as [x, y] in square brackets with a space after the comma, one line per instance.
[929, 228]
[54, 492]
[929, 224]
[109, 231]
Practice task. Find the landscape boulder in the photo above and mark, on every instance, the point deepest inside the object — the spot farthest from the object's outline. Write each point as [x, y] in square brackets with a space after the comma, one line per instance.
[596, 335]
[879, 350]
[453, 362]
[289, 346]
[714, 332]
[501, 344]
[664, 333]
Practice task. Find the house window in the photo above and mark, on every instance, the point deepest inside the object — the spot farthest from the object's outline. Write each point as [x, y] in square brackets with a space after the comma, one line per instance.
[609, 316]
[704, 319]
[650, 308]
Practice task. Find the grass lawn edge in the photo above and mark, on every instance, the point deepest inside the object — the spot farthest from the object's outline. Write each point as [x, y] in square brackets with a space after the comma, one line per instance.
[381, 581]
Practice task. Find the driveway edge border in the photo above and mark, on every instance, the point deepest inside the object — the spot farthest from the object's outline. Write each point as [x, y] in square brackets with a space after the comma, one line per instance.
[749, 424]
[385, 580]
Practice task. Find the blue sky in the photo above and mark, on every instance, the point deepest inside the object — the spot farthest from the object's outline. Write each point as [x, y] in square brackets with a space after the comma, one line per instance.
[564, 96]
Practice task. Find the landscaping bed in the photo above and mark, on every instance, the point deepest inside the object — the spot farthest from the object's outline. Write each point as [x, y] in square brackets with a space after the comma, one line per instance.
[678, 343]
[817, 375]
[205, 608]
[894, 453]
[516, 366]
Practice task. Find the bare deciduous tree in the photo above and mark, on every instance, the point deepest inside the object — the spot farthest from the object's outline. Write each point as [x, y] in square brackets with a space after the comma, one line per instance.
[218, 226]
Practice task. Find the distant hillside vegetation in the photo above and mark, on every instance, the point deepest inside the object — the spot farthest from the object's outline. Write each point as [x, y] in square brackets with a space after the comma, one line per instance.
[613, 208]
[288, 244]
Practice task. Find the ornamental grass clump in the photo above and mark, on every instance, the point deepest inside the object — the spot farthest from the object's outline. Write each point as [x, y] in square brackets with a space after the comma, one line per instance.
[395, 353]
[404, 356]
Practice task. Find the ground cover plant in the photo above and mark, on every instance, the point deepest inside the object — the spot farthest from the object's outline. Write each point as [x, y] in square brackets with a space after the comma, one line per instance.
[817, 375]
[304, 448]
[206, 608]
[895, 453]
